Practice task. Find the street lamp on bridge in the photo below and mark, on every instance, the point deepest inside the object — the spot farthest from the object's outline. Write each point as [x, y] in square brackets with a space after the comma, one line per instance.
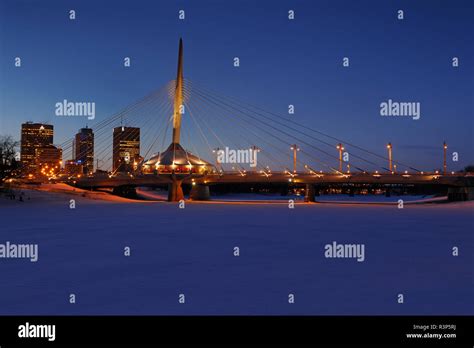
[216, 152]
[445, 147]
[389, 148]
[255, 149]
[340, 148]
[295, 149]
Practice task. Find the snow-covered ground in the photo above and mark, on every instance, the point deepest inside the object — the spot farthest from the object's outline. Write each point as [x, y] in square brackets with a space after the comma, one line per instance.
[158, 195]
[190, 251]
[58, 193]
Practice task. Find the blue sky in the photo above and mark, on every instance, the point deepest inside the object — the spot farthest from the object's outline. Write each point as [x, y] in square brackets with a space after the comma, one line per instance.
[282, 62]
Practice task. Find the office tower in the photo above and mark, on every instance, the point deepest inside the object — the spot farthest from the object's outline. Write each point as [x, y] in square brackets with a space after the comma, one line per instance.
[126, 148]
[34, 136]
[84, 149]
[48, 160]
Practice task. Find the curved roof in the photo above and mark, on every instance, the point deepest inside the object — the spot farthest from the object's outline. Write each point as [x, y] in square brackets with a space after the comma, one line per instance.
[177, 155]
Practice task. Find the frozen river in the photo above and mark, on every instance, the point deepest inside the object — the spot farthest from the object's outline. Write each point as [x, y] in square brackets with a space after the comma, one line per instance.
[191, 251]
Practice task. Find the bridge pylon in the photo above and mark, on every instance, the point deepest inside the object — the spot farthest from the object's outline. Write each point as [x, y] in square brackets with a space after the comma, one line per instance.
[175, 163]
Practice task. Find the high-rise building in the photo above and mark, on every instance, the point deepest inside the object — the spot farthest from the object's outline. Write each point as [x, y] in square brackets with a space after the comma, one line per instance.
[34, 136]
[48, 160]
[126, 148]
[84, 149]
[71, 167]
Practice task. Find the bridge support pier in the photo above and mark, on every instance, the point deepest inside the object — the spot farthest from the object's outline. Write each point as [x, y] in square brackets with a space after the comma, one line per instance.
[125, 191]
[175, 191]
[309, 193]
[317, 190]
[460, 194]
[200, 193]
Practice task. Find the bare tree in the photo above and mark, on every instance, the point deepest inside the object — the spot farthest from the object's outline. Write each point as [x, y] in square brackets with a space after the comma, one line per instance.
[8, 147]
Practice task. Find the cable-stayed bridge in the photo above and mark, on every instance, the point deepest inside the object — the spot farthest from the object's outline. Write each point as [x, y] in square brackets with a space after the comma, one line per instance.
[189, 134]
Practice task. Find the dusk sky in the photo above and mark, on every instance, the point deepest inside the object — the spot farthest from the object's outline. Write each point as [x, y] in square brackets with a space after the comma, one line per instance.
[282, 62]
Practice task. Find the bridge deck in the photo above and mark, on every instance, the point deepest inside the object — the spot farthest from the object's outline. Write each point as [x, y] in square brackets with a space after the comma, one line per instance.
[279, 178]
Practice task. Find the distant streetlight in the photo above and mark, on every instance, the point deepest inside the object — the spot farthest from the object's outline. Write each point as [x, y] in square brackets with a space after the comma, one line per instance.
[340, 148]
[216, 152]
[255, 149]
[389, 148]
[445, 147]
[295, 149]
